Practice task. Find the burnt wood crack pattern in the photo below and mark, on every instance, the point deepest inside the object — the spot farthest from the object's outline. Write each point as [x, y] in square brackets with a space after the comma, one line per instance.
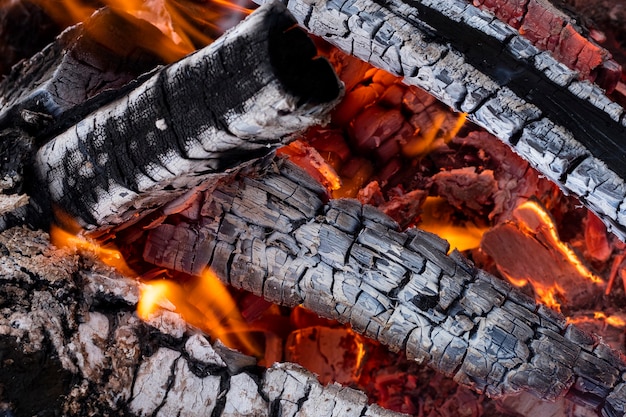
[274, 236]
[567, 129]
[79, 349]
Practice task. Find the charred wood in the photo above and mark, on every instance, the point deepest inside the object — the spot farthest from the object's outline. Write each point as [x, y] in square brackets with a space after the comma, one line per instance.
[522, 95]
[72, 345]
[85, 67]
[236, 100]
[274, 236]
[25, 28]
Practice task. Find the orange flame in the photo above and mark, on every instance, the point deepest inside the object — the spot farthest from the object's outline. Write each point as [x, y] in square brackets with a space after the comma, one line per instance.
[538, 230]
[428, 138]
[109, 254]
[203, 302]
[460, 237]
[613, 320]
[188, 24]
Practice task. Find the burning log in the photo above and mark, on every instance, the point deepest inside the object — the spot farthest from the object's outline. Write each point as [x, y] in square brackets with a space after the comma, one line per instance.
[271, 233]
[233, 101]
[72, 344]
[520, 94]
[274, 236]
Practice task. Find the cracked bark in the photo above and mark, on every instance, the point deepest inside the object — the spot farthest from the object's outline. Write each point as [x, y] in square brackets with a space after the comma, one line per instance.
[72, 345]
[274, 236]
[231, 102]
[522, 95]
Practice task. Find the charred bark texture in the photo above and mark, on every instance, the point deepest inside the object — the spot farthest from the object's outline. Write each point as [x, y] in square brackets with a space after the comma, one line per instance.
[85, 67]
[275, 237]
[568, 129]
[235, 100]
[72, 345]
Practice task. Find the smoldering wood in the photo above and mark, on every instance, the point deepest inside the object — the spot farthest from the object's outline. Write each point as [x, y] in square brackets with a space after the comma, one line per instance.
[520, 94]
[86, 66]
[274, 236]
[244, 95]
[73, 345]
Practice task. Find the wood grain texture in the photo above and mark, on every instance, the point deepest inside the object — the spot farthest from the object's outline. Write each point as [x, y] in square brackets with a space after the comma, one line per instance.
[236, 100]
[274, 236]
[520, 94]
[72, 345]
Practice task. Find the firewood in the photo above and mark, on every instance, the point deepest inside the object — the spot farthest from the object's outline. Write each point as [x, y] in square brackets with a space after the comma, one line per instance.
[236, 100]
[87, 66]
[72, 345]
[522, 95]
[275, 237]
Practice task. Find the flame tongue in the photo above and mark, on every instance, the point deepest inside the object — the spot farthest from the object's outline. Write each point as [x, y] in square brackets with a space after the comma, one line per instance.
[187, 24]
[203, 302]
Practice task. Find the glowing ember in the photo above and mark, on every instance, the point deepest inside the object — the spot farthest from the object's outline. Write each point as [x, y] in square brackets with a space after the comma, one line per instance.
[430, 137]
[203, 302]
[310, 159]
[528, 250]
[614, 320]
[535, 219]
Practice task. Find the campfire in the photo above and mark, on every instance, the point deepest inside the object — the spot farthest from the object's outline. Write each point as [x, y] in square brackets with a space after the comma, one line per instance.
[356, 208]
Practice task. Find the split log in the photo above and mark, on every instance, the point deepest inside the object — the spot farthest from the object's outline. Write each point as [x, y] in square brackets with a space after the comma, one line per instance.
[274, 236]
[244, 95]
[72, 345]
[87, 66]
[567, 129]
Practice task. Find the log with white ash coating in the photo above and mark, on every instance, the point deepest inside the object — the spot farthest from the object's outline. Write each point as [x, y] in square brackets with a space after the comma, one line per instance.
[273, 234]
[71, 344]
[235, 100]
[521, 94]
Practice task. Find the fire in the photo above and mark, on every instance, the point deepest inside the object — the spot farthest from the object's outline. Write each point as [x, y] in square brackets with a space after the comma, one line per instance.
[548, 295]
[204, 302]
[528, 251]
[429, 138]
[534, 218]
[187, 24]
[110, 255]
[461, 237]
[613, 320]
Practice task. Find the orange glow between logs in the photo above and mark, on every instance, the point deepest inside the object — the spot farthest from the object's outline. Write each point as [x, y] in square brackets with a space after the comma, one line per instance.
[110, 256]
[535, 218]
[188, 24]
[203, 302]
[461, 237]
[428, 138]
[614, 320]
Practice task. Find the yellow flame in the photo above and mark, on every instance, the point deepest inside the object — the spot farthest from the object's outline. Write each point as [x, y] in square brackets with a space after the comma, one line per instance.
[612, 320]
[109, 254]
[460, 237]
[350, 186]
[203, 302]
[360, 352]
[548, 295]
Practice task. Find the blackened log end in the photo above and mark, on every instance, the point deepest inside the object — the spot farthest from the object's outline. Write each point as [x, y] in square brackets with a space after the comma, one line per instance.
[294, 58]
